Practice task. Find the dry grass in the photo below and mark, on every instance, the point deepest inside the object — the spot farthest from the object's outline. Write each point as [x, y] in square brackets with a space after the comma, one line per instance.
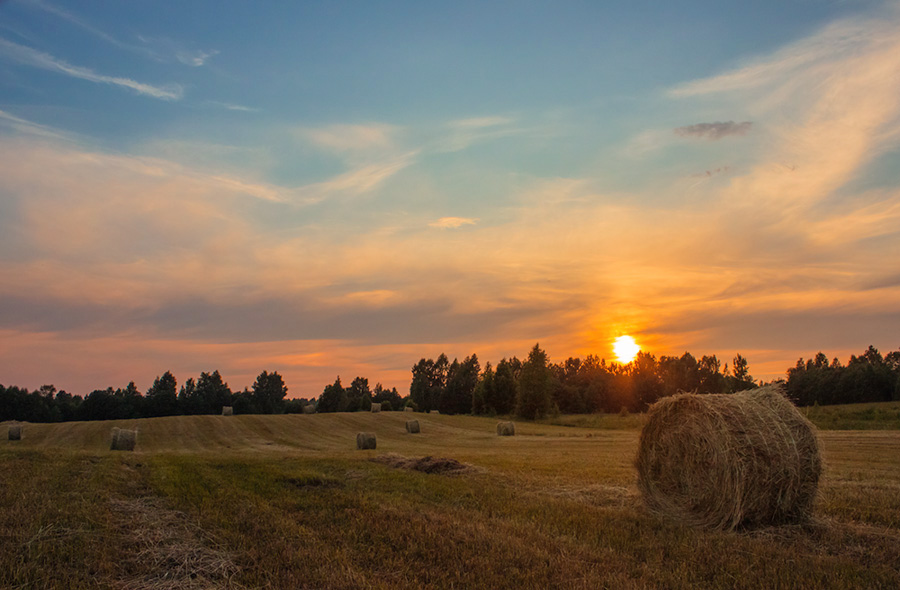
[291, 505]
[724, 461]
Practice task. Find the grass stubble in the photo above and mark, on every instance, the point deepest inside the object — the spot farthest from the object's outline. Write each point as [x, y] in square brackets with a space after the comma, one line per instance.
[287, 502]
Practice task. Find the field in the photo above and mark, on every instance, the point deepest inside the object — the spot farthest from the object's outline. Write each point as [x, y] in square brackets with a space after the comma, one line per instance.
[287, 502]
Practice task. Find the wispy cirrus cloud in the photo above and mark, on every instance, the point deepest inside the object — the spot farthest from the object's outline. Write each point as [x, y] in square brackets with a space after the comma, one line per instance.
[714, 131]
[343, 138]
[162, 49]
[38, 59]
[80, 23]
[452, 222]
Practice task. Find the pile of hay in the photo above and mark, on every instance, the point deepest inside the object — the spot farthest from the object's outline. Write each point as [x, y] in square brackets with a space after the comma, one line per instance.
[506, 429]
[727, 461]
[227, 411]
[15, 432]
[123, 440]
[309, 409]
[376, 407]
[412, 426]
[365, 440]
[435, 465]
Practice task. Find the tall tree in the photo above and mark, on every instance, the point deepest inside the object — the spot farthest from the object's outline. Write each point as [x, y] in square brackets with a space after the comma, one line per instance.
[535, 386]
[213, 393]
[462, 378]
[268, 393]
[333, 398]
[358, 395]
[506, 388]
[484, 391]
[162, 397]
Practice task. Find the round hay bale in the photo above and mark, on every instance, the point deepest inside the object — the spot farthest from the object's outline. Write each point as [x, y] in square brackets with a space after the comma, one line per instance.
[506, 429]
[365, 440]
[408, 409]
[309, 409]
[376, 407]
[728, 460]
[412, 426]
[15, 432]
[227, 411]
[123, 440]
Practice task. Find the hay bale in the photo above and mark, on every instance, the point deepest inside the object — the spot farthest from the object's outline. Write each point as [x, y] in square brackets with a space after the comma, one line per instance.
[365, 440]
[227, 411]
[412, 426]
[376, 408]
[727, 461]
[15, 432]
[309, 409]
[408, 409]
[123, 440]
[506, 429]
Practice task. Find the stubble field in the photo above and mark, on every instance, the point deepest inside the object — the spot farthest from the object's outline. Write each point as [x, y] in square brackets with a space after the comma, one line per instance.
[287, 502]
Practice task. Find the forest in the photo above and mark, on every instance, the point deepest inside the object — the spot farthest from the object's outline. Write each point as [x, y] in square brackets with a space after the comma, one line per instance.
[528, 389]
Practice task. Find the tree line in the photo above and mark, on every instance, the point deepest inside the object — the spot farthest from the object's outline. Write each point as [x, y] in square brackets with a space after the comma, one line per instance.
[529, 389]
[208, 394]
[536, 387]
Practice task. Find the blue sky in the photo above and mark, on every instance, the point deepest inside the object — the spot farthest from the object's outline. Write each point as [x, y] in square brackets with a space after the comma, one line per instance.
[326, 188]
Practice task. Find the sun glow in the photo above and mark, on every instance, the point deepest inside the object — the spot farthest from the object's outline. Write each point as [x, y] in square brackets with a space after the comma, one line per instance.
[625, 349]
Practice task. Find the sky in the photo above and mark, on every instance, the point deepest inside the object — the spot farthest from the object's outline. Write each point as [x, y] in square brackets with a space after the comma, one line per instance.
[338, 188]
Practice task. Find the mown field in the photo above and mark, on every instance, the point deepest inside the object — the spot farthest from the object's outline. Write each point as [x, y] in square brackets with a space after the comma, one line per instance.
[287, 502]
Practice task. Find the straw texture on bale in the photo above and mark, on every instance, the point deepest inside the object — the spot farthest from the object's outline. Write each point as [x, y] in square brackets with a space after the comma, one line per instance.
[309, 409]
[365, 440]
[15, 432]
[729, 460]
[408, 409]
[227, 411]
[412, 426]
[376, 407]
[123, 440]
[506, 429]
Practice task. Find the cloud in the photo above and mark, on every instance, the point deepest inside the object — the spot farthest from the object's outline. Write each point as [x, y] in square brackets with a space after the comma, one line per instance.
[480, 122]
[837, 39]
[38, 59]
[30, 128]
[351, 138]
[80, 23]
[195, 58]
[233, 107]
[452, 222]
[714, 131]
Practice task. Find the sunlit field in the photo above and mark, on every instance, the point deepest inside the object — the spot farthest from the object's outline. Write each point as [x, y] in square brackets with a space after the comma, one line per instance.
[287, 502]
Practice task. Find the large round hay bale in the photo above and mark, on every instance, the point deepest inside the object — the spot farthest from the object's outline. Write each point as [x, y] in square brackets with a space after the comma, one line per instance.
[123, 440]
[728, 460]
[408, 409]
[309, 409]
[376, 407]
[365, 440]
[506, 429]
[15, 432]
[227, 411]
[412, 426]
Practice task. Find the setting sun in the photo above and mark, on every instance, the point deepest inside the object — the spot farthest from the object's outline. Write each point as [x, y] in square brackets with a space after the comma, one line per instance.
[626, 349]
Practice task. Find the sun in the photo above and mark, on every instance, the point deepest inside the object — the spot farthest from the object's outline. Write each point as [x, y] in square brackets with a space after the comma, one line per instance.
[626, 349]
